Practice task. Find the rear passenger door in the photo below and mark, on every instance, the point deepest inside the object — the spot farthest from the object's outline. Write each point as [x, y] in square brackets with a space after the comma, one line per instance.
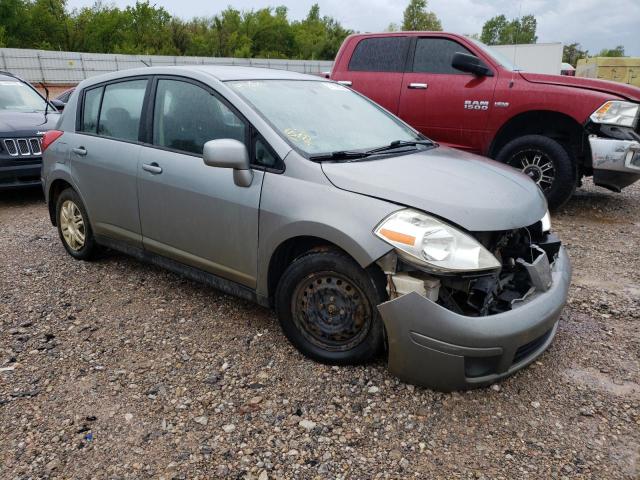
[376, 68]
[104, 156]
[446, 104]
[190, 212]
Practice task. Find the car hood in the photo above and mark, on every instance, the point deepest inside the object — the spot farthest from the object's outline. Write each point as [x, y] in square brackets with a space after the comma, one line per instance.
[19, 123]
[628, 92]
[473, 192]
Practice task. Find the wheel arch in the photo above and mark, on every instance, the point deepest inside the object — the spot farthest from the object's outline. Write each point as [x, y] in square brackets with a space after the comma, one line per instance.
[549, 123]
[54, 191]
[294, 247]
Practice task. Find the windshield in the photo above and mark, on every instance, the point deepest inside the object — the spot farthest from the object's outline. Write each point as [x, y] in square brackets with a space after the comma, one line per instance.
[320, 117]
[17, 97]
[497, 56]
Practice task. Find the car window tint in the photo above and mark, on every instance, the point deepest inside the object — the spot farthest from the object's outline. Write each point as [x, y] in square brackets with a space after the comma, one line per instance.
[187, 116]
[90, 110]
[434, 55]
[384, 54]
[263, 155]
[121, 110]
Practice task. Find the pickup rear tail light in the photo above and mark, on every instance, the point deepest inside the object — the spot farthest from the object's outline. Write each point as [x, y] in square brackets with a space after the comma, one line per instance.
[50, 137]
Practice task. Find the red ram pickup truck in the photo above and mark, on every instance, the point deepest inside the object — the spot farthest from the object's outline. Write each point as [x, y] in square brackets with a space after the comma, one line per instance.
[459, 92]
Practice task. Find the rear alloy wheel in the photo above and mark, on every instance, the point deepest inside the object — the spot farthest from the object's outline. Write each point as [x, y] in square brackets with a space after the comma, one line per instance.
[546, 162]
[74, 227]
[327, 307]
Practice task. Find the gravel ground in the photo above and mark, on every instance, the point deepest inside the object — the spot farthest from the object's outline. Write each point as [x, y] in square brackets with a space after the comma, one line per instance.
[115, 369]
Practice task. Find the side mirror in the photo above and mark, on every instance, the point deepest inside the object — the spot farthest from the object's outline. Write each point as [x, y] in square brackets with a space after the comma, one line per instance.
[471, 64]
[229, 153]
[59, 104]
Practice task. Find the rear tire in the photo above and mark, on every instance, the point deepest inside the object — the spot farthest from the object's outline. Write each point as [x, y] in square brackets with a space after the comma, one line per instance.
[74, 228]
[547, 162]
[327, 307]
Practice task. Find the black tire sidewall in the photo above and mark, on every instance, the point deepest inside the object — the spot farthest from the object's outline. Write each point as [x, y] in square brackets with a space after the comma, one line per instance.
[565, 181]
[88, 249]
[370, 346]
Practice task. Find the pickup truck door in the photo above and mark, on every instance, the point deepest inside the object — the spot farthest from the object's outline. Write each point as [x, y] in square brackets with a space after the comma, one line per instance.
[447, 105]
[376, 68]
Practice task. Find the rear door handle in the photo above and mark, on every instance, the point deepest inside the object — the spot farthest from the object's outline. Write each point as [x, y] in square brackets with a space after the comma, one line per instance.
[346, 83]
[80, 151]
[418, 86]
[152, 167]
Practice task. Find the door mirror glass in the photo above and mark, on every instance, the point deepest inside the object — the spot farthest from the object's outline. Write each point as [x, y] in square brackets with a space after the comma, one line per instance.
[471, 64]
[229, 153]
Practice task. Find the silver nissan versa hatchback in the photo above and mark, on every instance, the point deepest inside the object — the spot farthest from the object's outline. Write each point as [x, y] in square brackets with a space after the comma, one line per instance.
[302, 195]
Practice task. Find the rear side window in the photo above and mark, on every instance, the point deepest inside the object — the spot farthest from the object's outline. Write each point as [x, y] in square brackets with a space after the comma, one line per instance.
[434, 55]
[90, 110]
[121, 110]
[383, 54]
[186, 116]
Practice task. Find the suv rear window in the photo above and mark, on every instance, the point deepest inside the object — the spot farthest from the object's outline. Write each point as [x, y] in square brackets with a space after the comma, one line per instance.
[434, 55]
[383, 54]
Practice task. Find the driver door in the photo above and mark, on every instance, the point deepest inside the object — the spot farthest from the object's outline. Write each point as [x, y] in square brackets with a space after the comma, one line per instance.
[190, 212]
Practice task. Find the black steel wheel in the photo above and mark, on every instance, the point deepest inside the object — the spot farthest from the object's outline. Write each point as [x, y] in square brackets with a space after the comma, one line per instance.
[326, 304]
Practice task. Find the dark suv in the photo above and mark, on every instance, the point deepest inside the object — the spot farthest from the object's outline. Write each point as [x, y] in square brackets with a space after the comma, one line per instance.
[24, 117]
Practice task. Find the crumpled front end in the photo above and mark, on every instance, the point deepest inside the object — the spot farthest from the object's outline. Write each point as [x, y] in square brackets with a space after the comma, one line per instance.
[458, 331]
[616, 162]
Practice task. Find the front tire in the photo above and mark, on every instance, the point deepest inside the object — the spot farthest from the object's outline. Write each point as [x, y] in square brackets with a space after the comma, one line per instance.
[74, 228]
[327, 307]
[547, 162]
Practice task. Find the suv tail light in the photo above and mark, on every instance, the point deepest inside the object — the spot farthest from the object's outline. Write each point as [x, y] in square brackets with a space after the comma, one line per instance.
[50, 137]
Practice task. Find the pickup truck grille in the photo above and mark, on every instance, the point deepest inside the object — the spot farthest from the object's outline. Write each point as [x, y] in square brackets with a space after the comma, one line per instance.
[22, 147]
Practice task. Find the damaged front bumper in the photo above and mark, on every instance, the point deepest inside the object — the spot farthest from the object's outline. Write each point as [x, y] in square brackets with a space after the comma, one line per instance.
[434, 347]
[616, 163]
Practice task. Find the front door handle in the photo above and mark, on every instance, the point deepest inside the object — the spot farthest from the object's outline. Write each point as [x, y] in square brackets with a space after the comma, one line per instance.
[80, 151]
[346, 83]
[418, 86]
[152, 167]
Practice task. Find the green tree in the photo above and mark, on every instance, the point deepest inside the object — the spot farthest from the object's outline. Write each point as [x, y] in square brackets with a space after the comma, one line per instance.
[417, 17]
[573, 52]
[612, 52]
[500, 31]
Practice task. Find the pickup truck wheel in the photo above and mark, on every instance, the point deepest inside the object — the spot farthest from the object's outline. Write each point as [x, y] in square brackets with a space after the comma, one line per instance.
[73, 226]
[546, 162]
[326, 304]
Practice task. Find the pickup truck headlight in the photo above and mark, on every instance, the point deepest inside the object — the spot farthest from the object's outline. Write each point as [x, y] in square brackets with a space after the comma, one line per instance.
[431, 243]
[615, 112]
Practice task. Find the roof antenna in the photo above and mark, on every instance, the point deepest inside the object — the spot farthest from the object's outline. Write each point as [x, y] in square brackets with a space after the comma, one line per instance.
[46, 105]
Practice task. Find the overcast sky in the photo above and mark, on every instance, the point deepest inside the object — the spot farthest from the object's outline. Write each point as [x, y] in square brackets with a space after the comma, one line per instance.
[596, 24]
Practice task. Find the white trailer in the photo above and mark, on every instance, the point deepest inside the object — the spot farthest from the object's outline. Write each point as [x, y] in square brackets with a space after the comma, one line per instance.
[534, 57]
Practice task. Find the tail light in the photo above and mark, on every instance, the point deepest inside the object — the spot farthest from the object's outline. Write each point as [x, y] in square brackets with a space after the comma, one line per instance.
[50, 137]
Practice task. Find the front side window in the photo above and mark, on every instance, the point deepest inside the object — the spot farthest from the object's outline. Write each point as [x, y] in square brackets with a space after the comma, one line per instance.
[186, 116]
[382, 54]
[121, 110]
[16, 96]
[320, 117]
[434, 55]
[90, 110]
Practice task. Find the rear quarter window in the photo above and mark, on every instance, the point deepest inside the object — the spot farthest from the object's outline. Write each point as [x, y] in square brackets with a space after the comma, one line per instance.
[90, 110]
[383, 54]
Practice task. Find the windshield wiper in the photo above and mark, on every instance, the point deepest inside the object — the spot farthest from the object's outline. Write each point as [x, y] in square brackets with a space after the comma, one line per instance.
[399, 144]
[340, 155]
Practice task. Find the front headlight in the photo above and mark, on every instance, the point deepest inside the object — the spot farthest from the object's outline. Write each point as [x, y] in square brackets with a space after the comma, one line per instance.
[432, 243]
[615, 112]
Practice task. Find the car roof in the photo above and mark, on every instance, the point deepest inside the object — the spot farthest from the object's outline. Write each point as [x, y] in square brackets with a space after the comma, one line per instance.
[222, 73]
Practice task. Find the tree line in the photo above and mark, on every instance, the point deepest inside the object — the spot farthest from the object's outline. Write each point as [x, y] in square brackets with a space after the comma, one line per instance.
[146, 28]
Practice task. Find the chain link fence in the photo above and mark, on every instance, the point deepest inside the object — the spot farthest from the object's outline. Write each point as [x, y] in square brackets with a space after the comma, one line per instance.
[68, 68]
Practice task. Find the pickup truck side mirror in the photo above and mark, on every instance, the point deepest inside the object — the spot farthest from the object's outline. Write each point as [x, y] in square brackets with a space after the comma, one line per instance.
[471, 64]
[229, 153]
